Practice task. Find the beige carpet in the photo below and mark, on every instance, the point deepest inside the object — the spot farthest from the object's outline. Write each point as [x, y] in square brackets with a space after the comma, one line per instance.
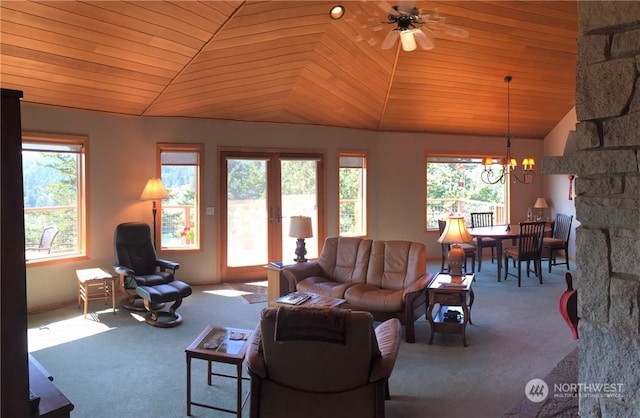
[254, 292]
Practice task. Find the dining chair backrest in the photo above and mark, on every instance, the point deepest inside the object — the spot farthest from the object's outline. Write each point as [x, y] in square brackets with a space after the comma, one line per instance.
[530, 242]
[441, 226]
[481, 219]
[562, 227]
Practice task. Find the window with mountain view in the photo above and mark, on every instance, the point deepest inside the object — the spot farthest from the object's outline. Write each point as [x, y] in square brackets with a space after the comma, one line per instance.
[180, 174]
[55, 202]
[454, 187]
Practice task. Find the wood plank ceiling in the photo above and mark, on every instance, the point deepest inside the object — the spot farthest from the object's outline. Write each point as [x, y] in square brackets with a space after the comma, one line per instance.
[288, 62]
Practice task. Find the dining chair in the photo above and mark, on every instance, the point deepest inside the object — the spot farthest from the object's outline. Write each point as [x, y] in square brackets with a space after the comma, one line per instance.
[559, 241]
[529, 249]
[482, 219]
[469, 251]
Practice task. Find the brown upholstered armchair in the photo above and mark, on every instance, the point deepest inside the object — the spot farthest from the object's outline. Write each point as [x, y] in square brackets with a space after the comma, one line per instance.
[318, 362]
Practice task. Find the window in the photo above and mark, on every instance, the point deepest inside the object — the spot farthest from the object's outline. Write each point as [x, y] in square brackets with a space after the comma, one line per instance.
[352, 187]
[55, 202]
[454, 186]
[180, 174]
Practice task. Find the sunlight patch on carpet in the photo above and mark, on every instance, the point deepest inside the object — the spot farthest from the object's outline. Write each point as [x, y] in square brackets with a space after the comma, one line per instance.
[253, 292]
[60, 332]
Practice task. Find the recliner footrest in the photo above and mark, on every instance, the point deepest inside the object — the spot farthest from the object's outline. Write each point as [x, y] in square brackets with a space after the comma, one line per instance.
[168, 292]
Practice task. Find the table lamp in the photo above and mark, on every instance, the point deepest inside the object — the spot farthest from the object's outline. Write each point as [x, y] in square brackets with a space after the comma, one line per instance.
[541, 204]
[154, 190]
[300, 228]
[455, 233]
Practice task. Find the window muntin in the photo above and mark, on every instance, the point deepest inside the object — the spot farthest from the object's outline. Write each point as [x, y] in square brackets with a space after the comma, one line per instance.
[180, 213]
[54, 171]
[454, 187]
[352, 189]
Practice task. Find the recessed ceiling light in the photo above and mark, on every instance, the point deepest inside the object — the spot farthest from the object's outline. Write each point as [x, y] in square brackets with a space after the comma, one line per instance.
[336, 12]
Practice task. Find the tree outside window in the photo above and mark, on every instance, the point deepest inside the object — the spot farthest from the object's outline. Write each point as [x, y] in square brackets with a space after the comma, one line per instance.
[454, 187]
[352, 181]
[54, 196]
[180, 174]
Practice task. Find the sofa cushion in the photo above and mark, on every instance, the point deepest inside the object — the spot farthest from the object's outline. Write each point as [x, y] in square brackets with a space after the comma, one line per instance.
[345, 259]
[373, 298]
[395, 265]
[323, 286]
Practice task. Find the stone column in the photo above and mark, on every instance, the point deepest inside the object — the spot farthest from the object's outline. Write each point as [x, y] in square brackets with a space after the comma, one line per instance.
[606, 163]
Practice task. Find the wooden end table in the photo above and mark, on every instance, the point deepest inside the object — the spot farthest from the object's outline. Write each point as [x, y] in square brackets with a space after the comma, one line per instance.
[95, 284]
[451, 297]
[222, 345]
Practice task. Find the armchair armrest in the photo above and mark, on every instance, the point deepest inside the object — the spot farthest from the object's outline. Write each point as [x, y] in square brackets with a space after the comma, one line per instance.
[388, 336]
[255, 358]
[296, 272]
[166, 264]
[124, 271]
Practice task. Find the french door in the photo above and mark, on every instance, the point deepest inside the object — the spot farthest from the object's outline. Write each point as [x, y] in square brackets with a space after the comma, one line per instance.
[259, 192]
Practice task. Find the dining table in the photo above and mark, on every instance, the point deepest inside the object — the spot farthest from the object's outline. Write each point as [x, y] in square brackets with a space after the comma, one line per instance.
[497, 232]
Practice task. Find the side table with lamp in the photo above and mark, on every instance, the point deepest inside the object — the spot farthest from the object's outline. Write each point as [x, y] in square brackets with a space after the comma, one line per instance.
[300, 227]
[452, 292]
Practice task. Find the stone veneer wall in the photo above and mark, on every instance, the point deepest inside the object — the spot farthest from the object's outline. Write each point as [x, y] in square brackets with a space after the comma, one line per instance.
[608, 206]
[606, 163]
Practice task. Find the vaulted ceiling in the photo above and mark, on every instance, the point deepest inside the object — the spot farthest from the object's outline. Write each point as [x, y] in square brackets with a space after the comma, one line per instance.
[288, 62]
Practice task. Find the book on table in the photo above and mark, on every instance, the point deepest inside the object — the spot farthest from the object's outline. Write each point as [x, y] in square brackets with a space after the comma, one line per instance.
[295, 298]
[455, 284]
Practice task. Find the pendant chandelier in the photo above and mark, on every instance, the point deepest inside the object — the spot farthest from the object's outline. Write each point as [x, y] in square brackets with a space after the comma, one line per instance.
[508, 164]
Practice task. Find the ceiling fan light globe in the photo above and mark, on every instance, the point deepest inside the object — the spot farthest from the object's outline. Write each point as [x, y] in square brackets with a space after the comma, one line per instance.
[408, 40]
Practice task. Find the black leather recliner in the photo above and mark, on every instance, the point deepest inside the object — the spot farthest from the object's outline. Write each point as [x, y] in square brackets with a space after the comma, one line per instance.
[143, 276]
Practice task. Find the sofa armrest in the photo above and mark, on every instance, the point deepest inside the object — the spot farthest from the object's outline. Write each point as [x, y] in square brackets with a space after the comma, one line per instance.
[255, 358]
[388, 336]
[299, 271]
[418, 286]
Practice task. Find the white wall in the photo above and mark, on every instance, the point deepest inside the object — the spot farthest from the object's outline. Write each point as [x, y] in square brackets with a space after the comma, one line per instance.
[122, 157]
[556, 187]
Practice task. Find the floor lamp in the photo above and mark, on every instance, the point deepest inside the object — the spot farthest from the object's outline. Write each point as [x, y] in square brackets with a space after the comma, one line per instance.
[154, 190]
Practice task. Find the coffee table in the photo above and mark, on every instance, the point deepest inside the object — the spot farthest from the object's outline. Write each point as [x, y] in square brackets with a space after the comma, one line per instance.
[315, 301]
[222, 345]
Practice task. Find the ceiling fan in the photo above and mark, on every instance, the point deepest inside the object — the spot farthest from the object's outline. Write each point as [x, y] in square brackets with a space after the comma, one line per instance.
[415, 28]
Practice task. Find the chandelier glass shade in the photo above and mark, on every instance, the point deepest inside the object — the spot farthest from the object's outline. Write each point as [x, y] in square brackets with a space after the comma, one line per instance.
[508, 164]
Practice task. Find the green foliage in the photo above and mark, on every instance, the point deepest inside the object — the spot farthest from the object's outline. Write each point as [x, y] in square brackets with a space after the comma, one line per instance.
[246, 179]
[457, 187]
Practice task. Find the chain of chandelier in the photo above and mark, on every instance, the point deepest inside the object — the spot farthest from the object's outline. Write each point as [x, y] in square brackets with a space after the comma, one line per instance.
[508, 164]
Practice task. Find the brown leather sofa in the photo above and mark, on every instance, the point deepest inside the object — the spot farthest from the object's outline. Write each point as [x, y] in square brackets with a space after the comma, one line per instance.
[386, 278]
[319, 363]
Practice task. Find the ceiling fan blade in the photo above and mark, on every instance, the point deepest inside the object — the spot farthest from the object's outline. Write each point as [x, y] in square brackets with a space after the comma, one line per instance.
[388, 9]
[424, 40]
[406, 6]
[390, 39]
[455, 31]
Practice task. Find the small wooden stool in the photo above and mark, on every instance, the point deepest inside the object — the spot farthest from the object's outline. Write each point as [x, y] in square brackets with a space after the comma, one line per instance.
[96, 284]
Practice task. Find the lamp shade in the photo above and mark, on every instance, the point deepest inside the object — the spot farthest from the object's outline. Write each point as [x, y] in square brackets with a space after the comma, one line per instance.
[300, 227]
[455, 231]
[154, 190]
[541, 203]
